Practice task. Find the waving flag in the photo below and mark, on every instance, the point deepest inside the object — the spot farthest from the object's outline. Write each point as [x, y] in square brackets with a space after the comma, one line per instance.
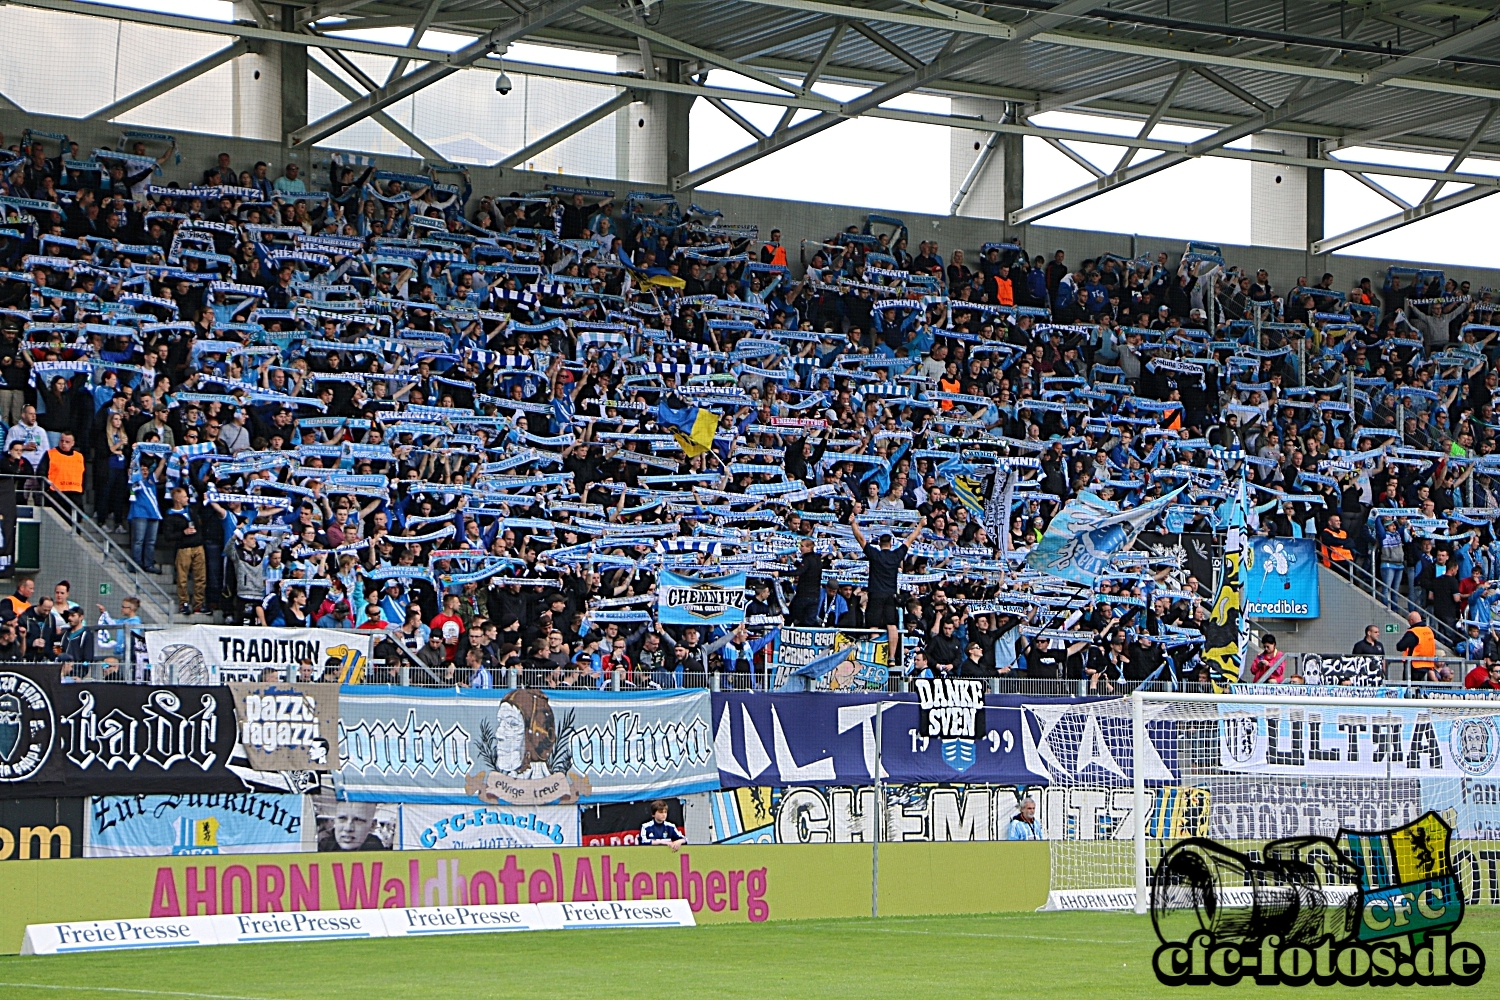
[1087, 532]
[692, 426]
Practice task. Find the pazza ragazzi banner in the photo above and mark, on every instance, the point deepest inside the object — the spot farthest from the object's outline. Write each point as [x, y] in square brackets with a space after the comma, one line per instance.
[61, 740]
[522, 748]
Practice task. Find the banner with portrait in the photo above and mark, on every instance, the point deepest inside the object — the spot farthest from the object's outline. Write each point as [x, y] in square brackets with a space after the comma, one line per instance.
[522, 748]
[866, 669]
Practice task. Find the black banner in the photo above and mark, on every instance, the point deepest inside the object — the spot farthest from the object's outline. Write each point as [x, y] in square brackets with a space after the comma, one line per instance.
[41, 828]
[59, 740]
[951, 708]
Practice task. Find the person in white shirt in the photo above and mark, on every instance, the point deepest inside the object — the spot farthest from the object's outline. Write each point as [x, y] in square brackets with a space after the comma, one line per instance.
[30, 434]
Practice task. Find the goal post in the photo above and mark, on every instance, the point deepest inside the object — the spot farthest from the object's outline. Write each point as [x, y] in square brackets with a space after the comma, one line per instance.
[1158, 768]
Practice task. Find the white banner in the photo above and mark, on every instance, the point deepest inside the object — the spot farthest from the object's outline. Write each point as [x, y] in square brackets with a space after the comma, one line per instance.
[440, 827]
[326, 925]
[218, 654]
[1400, 741]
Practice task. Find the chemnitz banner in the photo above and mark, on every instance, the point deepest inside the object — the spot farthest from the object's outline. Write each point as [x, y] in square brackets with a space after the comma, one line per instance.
[687, 600]
[287, 727]
[218, 654]
[522, 747]
[60, 740]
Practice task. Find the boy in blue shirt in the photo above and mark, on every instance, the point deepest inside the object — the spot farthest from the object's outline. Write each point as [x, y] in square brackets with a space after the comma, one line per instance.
[659, 832]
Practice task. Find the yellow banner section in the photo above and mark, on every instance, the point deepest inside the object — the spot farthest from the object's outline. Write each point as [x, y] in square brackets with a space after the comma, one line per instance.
[750, 883]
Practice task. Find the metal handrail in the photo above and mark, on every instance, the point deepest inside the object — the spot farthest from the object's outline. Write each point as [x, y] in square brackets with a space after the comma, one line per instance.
[1366, 579]
[84, 525]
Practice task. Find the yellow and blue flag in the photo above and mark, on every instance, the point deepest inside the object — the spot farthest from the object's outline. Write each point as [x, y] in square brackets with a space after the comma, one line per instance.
[693, 426]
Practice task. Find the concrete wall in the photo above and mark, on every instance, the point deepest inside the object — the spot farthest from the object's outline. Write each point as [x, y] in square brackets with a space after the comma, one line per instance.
[1344, 611]
[797, 220]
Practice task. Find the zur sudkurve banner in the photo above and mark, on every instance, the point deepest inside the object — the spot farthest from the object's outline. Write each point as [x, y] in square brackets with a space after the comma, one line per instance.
[523, 748]
[740, 884]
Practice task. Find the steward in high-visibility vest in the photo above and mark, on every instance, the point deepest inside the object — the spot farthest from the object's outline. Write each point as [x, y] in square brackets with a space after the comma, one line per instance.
[1419, 644]
[1334, 543]
[63, 467]
[773, 252]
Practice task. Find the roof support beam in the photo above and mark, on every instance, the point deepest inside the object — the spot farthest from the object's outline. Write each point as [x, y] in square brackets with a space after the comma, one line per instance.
[887, 44]
[383, 97]
[1463, 151]
[739, 119]
[1083, 94]
[567, 131]
[1458, 42]
[172, 81]
[676, 45]
[348, 93]
[1380, 189]
[418, 30]
[1154, 119]
[950, 60]
[816, 70]
[1414, 214]
[975, 169]
[1229, 86]
[329, 8]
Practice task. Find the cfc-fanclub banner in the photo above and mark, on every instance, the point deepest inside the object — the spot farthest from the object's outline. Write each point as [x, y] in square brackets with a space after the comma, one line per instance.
[521, 748]
[60, 740]
[737, 883]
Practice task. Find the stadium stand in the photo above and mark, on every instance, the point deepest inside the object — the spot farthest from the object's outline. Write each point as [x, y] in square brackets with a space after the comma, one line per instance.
[488, 424]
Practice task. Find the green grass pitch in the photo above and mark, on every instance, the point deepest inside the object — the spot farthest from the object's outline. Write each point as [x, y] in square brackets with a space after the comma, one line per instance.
[1077, 956]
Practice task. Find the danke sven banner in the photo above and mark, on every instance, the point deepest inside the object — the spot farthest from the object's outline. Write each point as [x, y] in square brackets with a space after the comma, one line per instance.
[522, 747]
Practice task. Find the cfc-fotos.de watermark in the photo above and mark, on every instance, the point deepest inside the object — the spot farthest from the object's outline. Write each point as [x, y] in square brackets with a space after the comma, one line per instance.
[1364, 909]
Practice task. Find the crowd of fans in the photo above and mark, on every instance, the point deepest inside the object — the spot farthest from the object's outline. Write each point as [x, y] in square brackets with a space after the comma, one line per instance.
[484, 424]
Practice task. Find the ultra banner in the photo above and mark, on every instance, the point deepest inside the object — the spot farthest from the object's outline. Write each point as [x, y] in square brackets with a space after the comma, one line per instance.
[1281, 578]
[791, 739]
[523, 747]
[686, 600]
[59, 740]
[865, 670]
[217, 654]
[1405, 741]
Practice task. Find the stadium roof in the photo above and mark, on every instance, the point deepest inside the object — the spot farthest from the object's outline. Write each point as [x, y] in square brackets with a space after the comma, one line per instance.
[1420, 76]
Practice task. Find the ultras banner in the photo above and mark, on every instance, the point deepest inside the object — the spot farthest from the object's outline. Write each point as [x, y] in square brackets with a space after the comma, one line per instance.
[1390, 739]
[792, 739]
[523, 747]
[218, 654]
[59, 740]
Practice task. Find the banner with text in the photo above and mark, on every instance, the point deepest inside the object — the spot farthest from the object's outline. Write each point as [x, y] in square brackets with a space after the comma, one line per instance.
[687, 600]
[521, 748]
[1281, 578]
[218, 654]
[287, 727]
[1394, 739]
[142, 825]
[61, 740]
[791, 739]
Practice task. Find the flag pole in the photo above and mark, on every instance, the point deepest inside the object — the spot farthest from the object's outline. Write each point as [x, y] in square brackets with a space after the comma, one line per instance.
[879, 816]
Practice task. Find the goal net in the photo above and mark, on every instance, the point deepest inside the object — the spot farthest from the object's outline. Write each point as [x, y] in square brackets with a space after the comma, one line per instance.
[1129, 778]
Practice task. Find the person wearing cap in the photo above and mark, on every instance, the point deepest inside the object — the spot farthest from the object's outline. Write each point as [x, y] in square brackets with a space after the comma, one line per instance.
[1269, 667]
